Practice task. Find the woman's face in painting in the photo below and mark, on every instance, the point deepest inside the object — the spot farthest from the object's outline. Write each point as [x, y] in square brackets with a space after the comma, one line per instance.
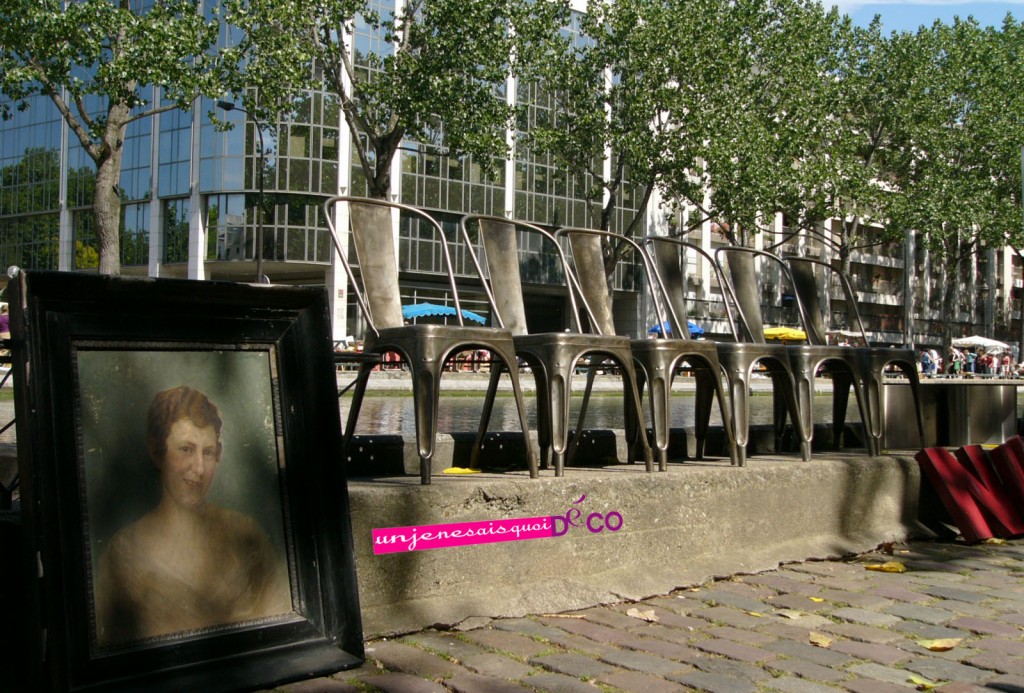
[190, 463]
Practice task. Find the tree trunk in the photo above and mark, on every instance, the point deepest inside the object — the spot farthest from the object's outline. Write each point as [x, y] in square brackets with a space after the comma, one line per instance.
[107, 196]
[379, 181]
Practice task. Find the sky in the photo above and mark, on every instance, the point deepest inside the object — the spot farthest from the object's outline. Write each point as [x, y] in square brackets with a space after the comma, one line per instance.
[908, 15]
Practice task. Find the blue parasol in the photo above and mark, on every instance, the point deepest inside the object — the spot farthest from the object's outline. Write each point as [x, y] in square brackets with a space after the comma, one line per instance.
[423, 310]
[695, 329]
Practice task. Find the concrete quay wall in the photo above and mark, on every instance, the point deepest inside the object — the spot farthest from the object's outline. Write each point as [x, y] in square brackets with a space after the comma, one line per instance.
[679, 528]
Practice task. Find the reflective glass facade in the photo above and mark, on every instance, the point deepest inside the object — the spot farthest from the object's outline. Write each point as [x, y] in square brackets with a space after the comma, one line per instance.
[30, 175]
[191, 191]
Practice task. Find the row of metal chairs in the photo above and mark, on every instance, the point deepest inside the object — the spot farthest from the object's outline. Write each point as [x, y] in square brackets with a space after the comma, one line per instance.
[493, 246]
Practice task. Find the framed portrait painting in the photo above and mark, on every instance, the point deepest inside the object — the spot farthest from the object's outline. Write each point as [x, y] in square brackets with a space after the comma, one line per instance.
[184, 505]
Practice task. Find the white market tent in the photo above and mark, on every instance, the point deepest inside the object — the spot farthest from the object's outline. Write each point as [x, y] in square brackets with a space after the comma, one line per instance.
[979, 342]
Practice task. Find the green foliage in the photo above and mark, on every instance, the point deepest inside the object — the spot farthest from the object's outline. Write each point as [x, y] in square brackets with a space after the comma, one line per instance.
[86, 257]
[96, 59]
[702, 98]
[757, 107]
[960, 173]
[442, 83]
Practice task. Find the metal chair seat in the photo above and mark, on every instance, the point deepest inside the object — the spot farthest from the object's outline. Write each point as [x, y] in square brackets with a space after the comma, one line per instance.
[552, 356]
[866, 364]
[658, 360]
[425, 348]
[792, 383]
[739, 361]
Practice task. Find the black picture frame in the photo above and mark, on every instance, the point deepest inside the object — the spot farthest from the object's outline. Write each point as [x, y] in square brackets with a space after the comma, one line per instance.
[90, 356]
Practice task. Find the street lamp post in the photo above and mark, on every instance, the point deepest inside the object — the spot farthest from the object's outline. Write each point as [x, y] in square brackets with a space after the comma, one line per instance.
[229, 106]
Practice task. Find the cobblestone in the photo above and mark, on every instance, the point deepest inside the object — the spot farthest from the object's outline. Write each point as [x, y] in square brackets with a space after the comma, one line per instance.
[751, 634]
[576, 665]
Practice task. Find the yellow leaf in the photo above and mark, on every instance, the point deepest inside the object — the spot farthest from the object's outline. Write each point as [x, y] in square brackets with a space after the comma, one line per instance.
[816, 599]
[758, 614]
[460, 470]
[994, 540]
[819, 640]
[887, 567]
[940, 645]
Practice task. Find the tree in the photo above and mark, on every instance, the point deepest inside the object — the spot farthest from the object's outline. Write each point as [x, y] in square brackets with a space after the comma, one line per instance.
[611, 89]
[754, 86]
[870, 94]
[439, 77]
[958, 172]
[701, 99]
[95, 60]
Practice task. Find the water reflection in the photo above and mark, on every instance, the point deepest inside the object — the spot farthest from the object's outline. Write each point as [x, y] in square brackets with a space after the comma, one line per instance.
[395, 414]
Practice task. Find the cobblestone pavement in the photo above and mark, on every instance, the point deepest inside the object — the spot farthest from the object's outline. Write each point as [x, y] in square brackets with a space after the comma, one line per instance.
[807, 627]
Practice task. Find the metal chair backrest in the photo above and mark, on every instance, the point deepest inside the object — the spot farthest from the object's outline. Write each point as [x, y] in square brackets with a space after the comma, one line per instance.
[808, 292]
[591, 273]
[666, 261]
[591, 276]
[376, 286]
[502, 281]
[744, 287]
[501, 250]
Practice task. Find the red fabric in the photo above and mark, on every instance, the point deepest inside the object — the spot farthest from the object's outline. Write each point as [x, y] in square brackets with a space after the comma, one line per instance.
[982, 492]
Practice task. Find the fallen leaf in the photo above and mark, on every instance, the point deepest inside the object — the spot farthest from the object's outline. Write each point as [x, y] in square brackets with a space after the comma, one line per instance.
[648, 615]
[940, 645]
[819, 640]
[816, 599]
[757, 614]
[922, 684]
[887, 567]
[994, 540]
[789, 613]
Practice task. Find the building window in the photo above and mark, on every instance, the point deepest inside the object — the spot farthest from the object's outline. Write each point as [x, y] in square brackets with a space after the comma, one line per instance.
[176, 214]
[135, 234]
[225, 228]
[83, 231]
[31, 242]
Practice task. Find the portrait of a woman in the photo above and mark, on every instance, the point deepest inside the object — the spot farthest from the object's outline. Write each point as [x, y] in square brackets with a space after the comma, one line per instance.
[186, 565]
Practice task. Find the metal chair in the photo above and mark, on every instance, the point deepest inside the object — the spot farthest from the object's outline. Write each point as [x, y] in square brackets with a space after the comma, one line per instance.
[868, 363]
[841, 364]
[425, 348]
[660, 358]
[740, 287]
[552, 356]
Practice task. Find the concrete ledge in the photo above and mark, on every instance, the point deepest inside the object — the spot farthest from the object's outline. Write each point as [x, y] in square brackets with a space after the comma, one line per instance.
[388, 455]
[680, 528]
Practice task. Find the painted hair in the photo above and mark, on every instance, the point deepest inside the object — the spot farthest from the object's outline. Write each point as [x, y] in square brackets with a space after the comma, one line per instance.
[172, 405]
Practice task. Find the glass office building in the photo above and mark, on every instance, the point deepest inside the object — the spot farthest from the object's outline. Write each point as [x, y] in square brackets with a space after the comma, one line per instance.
[190, 197]
[190, 192]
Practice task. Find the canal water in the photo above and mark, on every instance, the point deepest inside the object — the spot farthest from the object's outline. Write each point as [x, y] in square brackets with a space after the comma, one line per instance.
[394, 413]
